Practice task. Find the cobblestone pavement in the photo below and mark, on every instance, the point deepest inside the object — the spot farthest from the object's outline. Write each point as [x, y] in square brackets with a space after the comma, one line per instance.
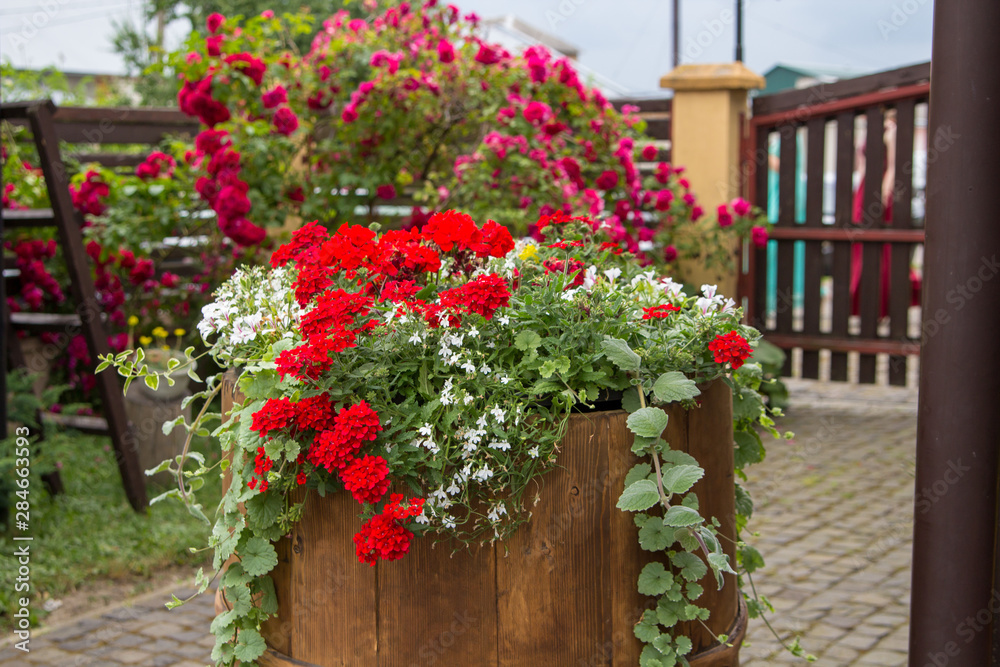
[834, 517]
[834, 510]
[143, 633]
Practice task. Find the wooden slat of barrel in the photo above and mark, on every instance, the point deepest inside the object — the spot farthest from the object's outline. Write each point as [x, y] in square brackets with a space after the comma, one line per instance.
[438, 606]
[553, 589]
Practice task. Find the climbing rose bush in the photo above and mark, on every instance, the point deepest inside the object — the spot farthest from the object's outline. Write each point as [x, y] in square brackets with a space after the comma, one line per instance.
[410, 111]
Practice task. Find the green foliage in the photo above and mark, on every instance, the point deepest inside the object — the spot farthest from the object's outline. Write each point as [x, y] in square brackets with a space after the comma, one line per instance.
[71, 549]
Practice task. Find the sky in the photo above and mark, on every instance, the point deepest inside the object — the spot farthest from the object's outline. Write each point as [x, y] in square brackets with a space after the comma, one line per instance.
[627, 41]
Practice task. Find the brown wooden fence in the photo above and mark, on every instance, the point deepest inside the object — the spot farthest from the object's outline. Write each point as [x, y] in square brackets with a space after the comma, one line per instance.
[842, 270]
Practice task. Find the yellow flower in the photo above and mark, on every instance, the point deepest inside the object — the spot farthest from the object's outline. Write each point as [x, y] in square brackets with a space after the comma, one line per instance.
[530, 250]
[160, 332]
[145, 340]
[133, 320]
[179, 332]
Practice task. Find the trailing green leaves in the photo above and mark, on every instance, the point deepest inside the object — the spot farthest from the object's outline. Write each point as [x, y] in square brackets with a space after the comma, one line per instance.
[648, 422]
[639, 496]
[674, 386]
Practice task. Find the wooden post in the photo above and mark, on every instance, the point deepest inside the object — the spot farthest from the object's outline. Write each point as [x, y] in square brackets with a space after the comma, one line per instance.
[709, 104]
[953, 618]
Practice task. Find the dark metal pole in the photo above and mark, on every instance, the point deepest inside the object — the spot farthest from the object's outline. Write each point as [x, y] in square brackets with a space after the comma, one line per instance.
[677, 33]
[955, 604]
[739, 31]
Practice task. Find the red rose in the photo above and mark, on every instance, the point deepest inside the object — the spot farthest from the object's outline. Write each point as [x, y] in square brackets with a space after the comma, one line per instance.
[285, 121]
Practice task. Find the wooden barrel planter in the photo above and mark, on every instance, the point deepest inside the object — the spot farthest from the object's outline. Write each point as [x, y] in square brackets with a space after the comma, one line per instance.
[561, 591]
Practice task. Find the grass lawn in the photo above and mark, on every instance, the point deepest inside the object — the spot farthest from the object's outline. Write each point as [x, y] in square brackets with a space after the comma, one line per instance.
[90, 533]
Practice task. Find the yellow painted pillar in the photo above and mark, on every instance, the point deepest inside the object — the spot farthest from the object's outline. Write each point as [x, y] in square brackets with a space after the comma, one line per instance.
[705, 139]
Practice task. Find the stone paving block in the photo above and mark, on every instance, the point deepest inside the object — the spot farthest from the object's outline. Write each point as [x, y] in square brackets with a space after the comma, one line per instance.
[48, 655]
[164, 660]
[131, 656]
[80, 627]
[191, 635]
[79, 643]
[129, 640]
[193, 651]
[161, 629]
[883, 659]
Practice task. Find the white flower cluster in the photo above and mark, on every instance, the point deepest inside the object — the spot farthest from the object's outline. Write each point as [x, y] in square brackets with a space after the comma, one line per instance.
[710, 302]
[256, 304]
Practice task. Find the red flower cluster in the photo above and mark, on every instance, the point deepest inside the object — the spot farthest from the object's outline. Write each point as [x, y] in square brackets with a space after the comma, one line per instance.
[352, 427]
[223, 189]
[262, 463]
[195, 99]
[244, 63]
[659, 312]
[384, 536]
[401, 254]
[87, 198]
[574, 269]
[482, 295]
[452, 230]
[157, 164]
[334, 310]
[302, 248]
[367, 478]
[278, 414]
[315, 413]
[730, 348]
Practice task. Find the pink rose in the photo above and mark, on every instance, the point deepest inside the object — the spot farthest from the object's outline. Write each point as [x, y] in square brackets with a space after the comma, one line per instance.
[214, 22]
[759, 236]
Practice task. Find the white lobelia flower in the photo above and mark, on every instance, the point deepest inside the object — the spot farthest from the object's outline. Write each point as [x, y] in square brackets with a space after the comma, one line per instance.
[454, 489]
[446, 396]
[474, 332]
[504, 320]
[422, 517]
[498, 414]
[500, 445]
[468, 399]
[426, 430]
[482, 474]
[469, 368]
[416, 339]
[533, 452]
[448, 521]
[485, 370]
[504, 379]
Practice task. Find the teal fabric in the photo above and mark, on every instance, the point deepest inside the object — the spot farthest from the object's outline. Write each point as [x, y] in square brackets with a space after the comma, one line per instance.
[773, 192]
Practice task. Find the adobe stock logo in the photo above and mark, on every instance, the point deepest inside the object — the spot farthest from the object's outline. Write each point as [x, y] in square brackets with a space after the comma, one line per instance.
[967, 629]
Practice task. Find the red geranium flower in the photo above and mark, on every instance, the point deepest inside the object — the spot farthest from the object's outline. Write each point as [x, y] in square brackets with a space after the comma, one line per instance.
[367, 478]
[730, 348]
[659, 312]
[278, 414]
